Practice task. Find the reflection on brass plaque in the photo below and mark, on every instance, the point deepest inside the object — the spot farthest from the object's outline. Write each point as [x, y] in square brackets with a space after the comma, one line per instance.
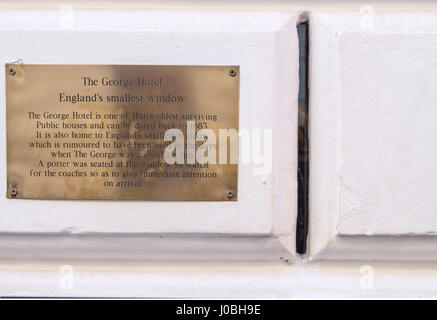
[102, 132]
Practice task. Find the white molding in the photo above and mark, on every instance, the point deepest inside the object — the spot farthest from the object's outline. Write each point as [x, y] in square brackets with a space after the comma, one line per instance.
[203, 279]
[134, 248]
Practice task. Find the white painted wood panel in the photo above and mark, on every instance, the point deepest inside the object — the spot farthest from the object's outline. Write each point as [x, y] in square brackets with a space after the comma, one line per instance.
[372, 130]
[264, 44]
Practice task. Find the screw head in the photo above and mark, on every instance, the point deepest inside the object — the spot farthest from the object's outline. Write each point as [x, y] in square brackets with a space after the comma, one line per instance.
[14, 191]
[230, 194]
[232, 73]
[11, 71]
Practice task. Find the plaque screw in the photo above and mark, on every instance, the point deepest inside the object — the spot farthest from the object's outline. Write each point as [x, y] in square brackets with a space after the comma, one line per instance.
[14, 191]
[11, 71]
[230, 194]
[232, 73]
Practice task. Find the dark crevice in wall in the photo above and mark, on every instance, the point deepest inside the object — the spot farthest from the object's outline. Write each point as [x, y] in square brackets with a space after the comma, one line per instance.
[303, 144]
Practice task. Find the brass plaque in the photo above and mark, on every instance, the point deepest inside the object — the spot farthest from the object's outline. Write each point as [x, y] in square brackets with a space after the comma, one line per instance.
[122, 132]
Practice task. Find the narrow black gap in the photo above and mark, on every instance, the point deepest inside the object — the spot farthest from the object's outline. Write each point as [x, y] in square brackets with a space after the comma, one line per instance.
[303, 145]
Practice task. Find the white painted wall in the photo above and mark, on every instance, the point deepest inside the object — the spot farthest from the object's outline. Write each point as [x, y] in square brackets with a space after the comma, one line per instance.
[373, 133]
[360, 245]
